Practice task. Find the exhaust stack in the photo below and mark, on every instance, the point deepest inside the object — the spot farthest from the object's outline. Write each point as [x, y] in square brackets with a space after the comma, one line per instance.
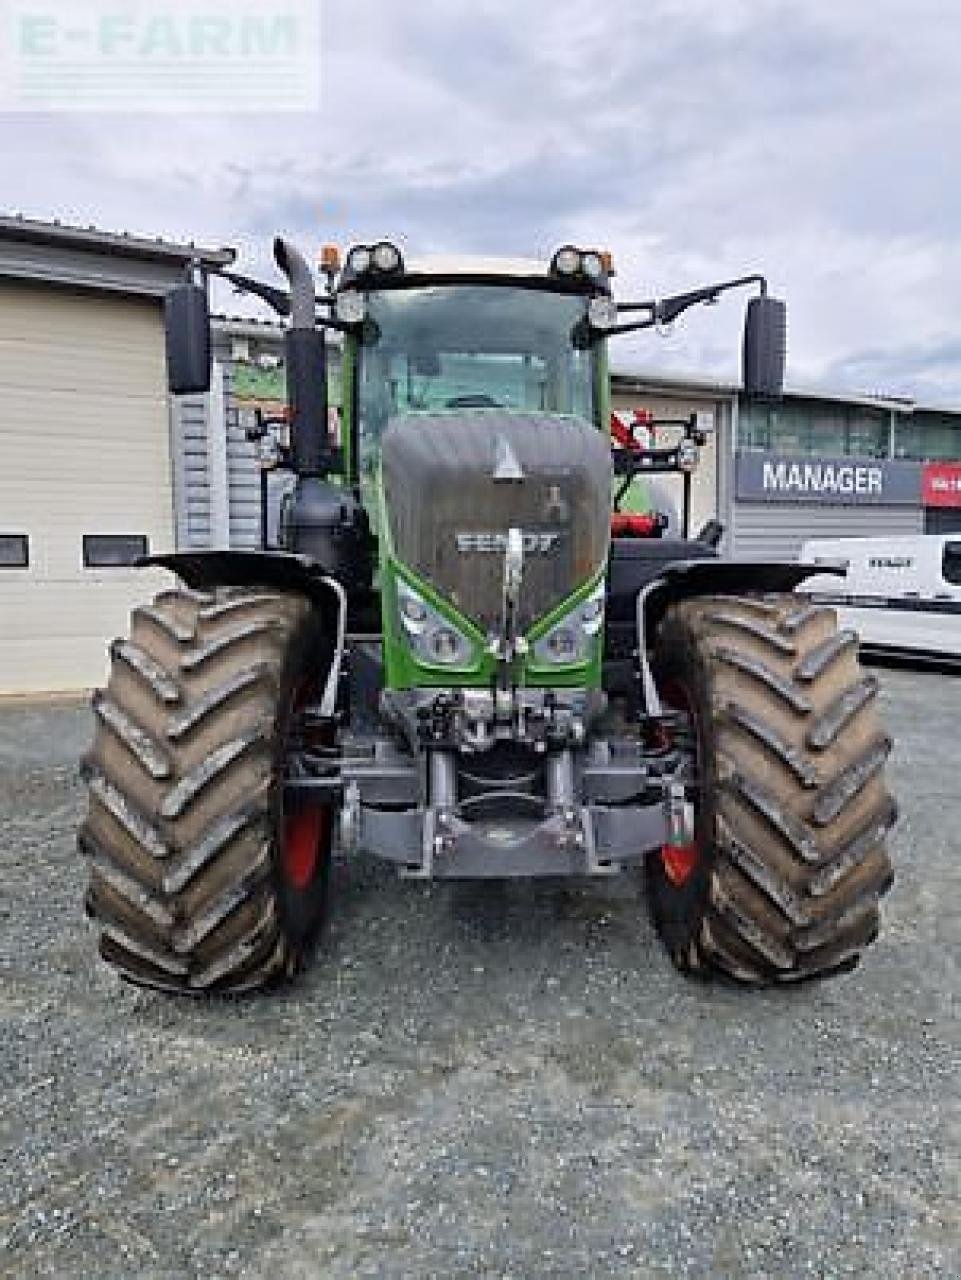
[306, 360]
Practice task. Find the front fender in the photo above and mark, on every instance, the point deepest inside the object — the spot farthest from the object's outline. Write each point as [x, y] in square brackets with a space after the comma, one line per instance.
[275, 571]
[282, 570]
[683, 579]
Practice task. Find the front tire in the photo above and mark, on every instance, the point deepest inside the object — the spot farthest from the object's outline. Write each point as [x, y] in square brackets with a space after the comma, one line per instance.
[789, 864]
[199, 881]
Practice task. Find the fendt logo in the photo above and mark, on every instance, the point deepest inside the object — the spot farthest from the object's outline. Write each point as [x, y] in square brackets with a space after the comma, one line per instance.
[496, 543]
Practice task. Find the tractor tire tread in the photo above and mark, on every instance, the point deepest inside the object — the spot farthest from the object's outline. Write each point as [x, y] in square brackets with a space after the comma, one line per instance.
[797, 802]
[181, 782]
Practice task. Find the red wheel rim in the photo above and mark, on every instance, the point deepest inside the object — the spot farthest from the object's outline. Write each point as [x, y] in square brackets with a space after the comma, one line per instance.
[306, 830]
[679, 860]
[304, 836]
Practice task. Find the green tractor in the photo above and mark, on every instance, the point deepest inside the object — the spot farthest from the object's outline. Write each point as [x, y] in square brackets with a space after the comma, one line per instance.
[449, 662]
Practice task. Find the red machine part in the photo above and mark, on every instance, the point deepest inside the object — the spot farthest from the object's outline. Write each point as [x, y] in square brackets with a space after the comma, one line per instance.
[630, 524]
[624, 425]
[627, 425]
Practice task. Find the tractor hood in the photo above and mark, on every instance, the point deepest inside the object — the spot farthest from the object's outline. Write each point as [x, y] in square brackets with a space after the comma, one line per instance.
[456, 483]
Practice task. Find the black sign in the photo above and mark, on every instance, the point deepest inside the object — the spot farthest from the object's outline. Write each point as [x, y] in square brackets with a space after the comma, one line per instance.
[842, 482]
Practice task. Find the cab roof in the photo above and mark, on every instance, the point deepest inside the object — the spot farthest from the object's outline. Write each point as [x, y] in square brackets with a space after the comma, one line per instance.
[457, 264]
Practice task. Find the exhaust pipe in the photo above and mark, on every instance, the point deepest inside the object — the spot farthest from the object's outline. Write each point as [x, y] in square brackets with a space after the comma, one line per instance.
[303, 298]
[306, 361]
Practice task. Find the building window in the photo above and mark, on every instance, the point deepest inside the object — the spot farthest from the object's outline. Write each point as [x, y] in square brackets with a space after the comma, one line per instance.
[929, 437]
[814, 428]
[14, 551]
[867, 433]
[754, 426]
[113, 550]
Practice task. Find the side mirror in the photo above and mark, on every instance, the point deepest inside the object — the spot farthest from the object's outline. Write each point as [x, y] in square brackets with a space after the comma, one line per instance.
[187, 320]
[765, 347]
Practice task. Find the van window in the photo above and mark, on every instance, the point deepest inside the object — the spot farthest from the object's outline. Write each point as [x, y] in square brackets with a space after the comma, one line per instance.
[951, 563]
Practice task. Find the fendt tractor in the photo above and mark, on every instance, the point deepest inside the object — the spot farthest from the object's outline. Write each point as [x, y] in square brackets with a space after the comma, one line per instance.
[469, 653]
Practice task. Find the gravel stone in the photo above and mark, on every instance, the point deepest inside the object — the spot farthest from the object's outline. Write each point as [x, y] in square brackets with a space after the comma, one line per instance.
[504, 1081]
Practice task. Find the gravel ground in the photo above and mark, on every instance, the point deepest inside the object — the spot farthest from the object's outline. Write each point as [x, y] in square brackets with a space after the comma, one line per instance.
[513, 1085]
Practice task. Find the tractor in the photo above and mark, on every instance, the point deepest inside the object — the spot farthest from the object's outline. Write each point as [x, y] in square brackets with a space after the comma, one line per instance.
[472, 653]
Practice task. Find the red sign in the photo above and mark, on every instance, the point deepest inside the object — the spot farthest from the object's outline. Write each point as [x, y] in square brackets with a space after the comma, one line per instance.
[941, 484]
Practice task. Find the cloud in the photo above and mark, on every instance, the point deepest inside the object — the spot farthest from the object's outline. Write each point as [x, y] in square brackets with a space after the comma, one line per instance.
[696, 139]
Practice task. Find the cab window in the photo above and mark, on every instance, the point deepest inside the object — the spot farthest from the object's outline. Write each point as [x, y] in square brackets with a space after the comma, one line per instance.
[451, 348]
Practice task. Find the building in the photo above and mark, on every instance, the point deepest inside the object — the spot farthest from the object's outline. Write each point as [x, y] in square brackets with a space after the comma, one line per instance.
[87, 466]
[812, 464]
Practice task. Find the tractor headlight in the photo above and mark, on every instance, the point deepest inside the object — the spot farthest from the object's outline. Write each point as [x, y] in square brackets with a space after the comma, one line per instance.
[349, 306]
[568, 640]
[432, 637]
[591, 265]
[602, 312]
[386, 257]
[567, 261]
[358, 260]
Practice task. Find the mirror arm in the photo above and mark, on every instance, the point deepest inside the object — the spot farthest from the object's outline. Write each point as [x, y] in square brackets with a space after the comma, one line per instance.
[669, 309]
[277, 299]
[649, 305]
[664, 310]
[629, 327]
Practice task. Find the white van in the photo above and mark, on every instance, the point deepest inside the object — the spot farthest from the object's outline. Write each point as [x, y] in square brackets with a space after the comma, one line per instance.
[902, 595]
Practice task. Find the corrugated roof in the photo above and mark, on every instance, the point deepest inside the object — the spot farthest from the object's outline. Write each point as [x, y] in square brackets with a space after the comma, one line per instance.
[694, 384]
[65, 235]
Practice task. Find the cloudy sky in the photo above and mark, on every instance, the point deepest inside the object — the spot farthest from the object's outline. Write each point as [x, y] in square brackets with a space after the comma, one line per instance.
[816, 140]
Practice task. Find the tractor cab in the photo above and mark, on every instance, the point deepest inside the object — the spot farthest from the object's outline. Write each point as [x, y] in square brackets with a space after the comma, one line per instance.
[455, 335]
[477, 397]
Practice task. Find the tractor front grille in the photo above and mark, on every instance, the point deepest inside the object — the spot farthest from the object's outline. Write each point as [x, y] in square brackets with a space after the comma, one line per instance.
[456, 483]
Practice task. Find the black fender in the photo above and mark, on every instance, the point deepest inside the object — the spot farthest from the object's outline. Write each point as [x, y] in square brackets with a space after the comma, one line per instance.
[280, 570]
[276, 571]
[683, 579]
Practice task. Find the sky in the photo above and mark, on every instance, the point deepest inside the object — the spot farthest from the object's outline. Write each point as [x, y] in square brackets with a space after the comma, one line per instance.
[816, 141]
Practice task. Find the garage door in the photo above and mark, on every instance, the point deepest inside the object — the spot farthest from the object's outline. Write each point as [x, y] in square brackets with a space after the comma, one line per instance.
[85, 478]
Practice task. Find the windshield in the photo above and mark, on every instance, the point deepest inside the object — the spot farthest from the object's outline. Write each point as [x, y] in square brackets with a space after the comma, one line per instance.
[451, 347]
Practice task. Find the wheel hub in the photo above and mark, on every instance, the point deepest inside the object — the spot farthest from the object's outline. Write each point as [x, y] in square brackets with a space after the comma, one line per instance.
[680, 857]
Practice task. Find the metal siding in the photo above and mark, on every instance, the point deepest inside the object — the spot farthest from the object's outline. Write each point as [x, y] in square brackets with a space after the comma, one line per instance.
[773, 531]
[243, 473]
[195, 437]
[191, 481]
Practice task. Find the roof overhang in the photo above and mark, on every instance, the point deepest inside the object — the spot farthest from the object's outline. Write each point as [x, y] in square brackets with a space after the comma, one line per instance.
[87, 258]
